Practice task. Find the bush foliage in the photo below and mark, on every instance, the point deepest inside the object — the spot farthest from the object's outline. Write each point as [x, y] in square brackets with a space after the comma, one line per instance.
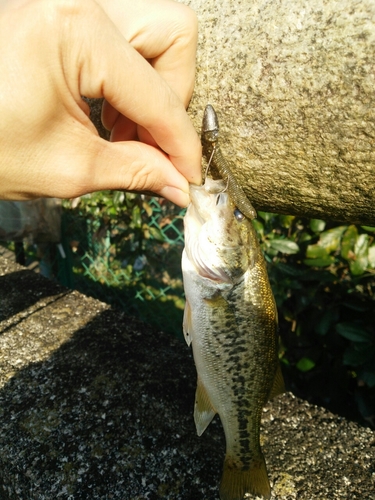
[322, 275]
[323, 278]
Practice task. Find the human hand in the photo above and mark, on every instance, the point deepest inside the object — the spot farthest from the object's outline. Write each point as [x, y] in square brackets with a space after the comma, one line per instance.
[140, 58]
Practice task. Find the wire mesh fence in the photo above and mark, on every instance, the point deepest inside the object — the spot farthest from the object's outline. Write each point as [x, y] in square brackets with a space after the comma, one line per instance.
[121, 248]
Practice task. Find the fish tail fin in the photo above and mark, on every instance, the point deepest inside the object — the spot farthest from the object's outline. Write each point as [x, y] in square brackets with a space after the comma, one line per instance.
[237, 481]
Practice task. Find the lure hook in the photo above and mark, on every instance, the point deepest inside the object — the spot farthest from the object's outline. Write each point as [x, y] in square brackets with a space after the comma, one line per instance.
[210, 132]
[209, 162]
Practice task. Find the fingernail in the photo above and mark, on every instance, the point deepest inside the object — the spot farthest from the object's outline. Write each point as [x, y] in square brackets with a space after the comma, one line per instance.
[176, 195]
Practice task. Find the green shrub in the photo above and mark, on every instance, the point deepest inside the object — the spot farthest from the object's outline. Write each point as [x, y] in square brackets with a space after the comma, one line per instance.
[126, 250]
[323, 277]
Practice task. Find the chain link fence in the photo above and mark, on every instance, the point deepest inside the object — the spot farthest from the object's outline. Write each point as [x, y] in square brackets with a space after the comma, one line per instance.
[121, 248]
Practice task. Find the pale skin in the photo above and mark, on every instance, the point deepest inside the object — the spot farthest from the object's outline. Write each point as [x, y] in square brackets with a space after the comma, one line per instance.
[137, 54]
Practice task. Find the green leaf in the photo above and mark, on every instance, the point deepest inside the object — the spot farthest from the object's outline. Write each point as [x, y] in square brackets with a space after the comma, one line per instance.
[320, 262]
[361, 245]
[147, 208]
[324, 324]
[259, 227]
[111, 211]
[156, 233]
[271, 252]
[330, 240]
[358, 354]
[136, 216]
[348, 241]
[354, 332]
[371, 256]
[359, 265]
[118, 197]
[370, 229]
[305, 364]
[316, 252]
[317, 225]
[356, 305]
[284, 246]
[356, 267]
[322, 276]
[368, 377]
[290, 270]
[286, 220]
[266, 216]
[305, 236]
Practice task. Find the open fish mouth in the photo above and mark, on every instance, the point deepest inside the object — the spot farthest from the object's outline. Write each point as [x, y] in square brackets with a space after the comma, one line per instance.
[213, 239]
[206, 190]
[207, 211]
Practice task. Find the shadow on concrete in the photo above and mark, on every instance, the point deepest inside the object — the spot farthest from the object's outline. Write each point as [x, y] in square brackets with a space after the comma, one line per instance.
[104, 411]
[107, 415]
[20, 290]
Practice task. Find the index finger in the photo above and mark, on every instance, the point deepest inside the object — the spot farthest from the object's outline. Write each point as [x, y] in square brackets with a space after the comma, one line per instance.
[128, 82]
[165, 33]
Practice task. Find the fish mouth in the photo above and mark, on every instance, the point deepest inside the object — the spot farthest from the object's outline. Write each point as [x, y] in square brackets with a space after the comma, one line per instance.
[209, 187]
[209, 202]
[201, 197]
[197, 193]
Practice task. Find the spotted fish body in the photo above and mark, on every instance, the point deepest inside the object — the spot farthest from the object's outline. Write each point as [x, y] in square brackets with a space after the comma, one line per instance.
[231, 321]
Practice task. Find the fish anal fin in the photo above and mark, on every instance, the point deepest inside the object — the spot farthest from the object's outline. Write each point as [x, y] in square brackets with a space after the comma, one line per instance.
[278, 383]
[237, 481]
[203, 409]
[187, 324]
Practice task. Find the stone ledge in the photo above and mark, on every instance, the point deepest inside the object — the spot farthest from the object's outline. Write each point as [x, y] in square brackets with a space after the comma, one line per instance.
[97, 405]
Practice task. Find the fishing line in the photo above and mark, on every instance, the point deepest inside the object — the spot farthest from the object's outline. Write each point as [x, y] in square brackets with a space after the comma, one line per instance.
[209, 161]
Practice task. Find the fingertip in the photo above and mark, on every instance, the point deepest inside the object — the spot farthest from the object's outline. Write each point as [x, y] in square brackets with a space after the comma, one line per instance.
[190, 165]
[176, 195]
[197, 179]
[197, 171]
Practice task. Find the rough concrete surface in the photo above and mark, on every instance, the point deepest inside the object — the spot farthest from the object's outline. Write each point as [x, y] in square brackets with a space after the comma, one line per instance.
[97, 405]
[293, 84]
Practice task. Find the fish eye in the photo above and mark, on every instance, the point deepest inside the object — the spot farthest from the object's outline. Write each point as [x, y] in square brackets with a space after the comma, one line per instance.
[238, 215]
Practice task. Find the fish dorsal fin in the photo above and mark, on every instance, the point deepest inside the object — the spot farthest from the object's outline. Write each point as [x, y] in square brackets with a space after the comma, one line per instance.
[278, 383]
[203, 409]
[187, 325]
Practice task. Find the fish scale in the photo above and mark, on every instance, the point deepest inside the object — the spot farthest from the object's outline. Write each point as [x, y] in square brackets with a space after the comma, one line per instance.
[230, 320]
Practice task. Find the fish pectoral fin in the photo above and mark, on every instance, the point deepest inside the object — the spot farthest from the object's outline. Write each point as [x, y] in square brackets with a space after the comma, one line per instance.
[278, 383]
[239, 482]
[204, 412]
[187, 325]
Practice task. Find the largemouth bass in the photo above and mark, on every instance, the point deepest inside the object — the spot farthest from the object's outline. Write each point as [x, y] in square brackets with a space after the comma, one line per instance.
[230, 319]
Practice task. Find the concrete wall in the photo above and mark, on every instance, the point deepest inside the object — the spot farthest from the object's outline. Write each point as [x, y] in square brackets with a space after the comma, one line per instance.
[293, 86]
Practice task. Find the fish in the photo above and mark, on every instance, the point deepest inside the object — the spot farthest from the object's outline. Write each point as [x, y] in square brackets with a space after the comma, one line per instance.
[210, 135]
[230, 320]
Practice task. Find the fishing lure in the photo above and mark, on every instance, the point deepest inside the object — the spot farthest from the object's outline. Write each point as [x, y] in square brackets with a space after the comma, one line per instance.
[210, 130]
